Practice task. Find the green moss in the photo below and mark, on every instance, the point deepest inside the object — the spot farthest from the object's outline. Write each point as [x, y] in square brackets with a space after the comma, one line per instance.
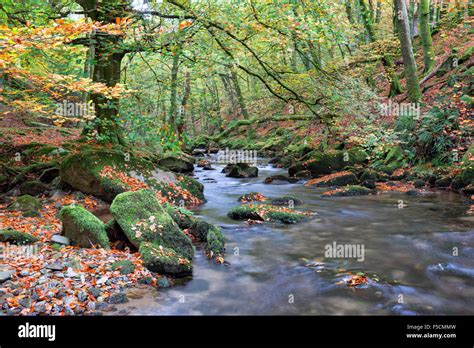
[215, 241]
[125, 266]
[352, 190]
[25, 203]
[266, 213]
[82, 227]
[12, 236]
[164, 260]
[143, 219]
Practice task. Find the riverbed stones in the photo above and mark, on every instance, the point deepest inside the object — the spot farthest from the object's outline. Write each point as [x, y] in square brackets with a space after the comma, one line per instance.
[82, 227]
[267, 213]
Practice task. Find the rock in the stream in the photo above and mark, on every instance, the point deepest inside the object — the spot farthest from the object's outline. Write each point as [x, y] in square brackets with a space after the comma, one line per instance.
[215, 241]
[268, 213]
[125, 267]
[279, 180]
[25, 203]
[164, 260]
[287, 201]
[143, 219]
[336, 179]
[240, 170]
[352, 190]
[82, 227]
[12, 236]
[322, 163]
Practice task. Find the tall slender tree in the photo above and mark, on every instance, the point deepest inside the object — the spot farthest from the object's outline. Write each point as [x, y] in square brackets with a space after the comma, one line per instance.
[413, 85]
[425, 30]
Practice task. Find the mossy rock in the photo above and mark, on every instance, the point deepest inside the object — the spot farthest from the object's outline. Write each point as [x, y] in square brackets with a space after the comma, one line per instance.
[84, 172]
[176, 164]
[240, 170]
[368, 174]
[33, 188]
[323, 163]
[25, 203]
[280, 179]
[125, 267]
[183, 217]
[336, 179]
[215, 241]
[143, 219]
[352, 190]
[266, 213]
[12, 236]
[82, 227]
[164, 260]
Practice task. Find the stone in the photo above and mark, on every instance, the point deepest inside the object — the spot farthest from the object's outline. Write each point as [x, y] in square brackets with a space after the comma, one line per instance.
[117, 298]
[58, 239]
[33, 188]
[83, 228]
[25, 203]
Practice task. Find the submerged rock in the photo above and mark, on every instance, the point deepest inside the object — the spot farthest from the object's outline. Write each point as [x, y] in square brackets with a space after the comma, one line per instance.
[82, 227]
[287, 200]
[215, 241]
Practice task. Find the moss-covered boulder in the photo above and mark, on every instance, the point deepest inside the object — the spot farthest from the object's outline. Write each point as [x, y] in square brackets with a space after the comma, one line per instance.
[33, 188]
[123, 266]
[351, 190]
[12, 236]
[215, 241]
[252, 197]
[105, 173]
[240, 170]
[82, 227]
[267, 213]
[143, 219]
[322, 163]
[164, 260]
[25, 203]
[177, 164]
[280, 179]
[336, 179]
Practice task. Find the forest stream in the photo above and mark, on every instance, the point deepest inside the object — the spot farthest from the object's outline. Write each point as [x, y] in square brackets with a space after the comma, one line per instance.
[419, 256]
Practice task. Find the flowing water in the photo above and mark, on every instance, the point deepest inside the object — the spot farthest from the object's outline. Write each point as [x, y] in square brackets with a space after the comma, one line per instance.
[418, 259]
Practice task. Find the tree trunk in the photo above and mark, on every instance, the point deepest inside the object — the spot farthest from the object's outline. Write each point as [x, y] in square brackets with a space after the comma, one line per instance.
[238, 92]
[413, 86]
[395, 86]
[172, 113]
[108, 55]
[425, 30]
